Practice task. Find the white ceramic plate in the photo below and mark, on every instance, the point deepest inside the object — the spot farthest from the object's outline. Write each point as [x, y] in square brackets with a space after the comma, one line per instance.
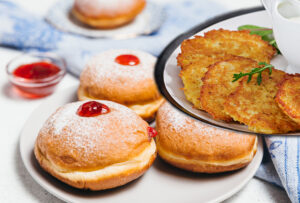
[167, 71]
[147, 22]
[162, 183]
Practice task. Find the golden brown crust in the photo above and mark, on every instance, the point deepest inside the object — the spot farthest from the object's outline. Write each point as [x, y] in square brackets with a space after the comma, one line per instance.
[192, 77]
[91, 182]
[218, 85]
[255, 105]
[225, 42]
[195, 146]
[132, 86]
[79, 143]
[143, 93]
[288, 97]
[217, 45]
[108, 19]
[205, 168]
[103, 78]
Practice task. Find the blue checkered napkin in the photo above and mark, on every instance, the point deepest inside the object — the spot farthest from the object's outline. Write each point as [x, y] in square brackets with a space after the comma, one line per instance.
[21, 30]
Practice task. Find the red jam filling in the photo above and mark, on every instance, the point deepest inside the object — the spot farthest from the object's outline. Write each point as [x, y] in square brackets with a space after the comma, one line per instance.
[38, 70]
[92, 108]
[152, 132]
[127, 60]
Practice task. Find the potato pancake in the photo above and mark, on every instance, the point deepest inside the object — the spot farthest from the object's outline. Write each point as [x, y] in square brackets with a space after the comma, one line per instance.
[192, 78]
[217, 45]
[225, 42]
[218, 85]
[255, 105]
[288, 97]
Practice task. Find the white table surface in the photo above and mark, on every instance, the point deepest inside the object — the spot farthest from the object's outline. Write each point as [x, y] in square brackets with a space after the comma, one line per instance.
[16, 184]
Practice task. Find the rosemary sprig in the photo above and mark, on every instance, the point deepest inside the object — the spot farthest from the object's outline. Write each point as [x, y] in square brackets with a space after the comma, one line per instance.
[265, 33]
[258, 71]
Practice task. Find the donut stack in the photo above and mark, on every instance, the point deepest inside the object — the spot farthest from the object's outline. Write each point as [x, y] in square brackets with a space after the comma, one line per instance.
[104, 140]
[123, 76]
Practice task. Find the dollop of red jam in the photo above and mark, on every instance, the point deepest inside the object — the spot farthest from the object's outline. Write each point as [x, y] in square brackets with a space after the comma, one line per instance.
[37, 70]
[152, 132]
[127, 60]
[92, 108]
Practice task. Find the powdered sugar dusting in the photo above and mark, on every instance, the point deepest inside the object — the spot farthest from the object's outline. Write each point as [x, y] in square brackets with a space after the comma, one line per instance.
[104, 67]
[188, 137]
[107, 79]
[109, 7]
[180, 123]
[88, 135]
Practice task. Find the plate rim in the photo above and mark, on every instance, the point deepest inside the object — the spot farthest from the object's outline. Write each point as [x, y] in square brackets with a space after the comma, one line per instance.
[67, 199]
[172, 46]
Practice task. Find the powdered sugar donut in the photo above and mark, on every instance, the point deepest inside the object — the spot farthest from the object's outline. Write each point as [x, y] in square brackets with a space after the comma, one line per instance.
[95, 152]
[107, 13]
[124, 76]
[195, 146]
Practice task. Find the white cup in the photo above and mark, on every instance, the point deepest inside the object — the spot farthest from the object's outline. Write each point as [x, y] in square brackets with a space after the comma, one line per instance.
[285, 16]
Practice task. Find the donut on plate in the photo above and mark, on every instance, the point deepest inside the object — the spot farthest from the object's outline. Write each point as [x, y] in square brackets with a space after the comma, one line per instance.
[123, 76]
[107, 14]
[95, 145]
[198, 147]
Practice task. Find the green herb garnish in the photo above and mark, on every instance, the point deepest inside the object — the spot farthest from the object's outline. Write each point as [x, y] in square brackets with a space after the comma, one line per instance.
[265, 33]
[254, 71]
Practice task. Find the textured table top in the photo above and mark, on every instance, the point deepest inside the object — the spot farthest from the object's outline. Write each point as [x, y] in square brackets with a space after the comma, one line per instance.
[16, 184]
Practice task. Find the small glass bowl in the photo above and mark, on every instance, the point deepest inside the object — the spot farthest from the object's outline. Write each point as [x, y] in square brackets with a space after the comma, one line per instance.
[35, 88]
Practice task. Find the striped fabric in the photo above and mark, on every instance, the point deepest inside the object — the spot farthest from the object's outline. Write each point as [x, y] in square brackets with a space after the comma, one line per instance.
[284, 152]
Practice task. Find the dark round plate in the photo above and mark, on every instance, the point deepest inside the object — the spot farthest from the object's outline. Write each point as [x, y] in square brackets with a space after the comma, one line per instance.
[167, 71]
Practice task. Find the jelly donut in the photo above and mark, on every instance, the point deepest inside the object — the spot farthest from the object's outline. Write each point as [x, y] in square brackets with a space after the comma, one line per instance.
[95, 145]
[194, 146]
[123, 76]
[107, 14]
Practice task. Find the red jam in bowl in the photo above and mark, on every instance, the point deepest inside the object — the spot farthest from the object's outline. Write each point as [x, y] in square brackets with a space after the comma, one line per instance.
[92, 108]
[38, 70]
[127, 60]
[35, 80]
[35, 75]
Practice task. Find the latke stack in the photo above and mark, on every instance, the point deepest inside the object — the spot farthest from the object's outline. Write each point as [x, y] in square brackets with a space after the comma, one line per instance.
[207, 66]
